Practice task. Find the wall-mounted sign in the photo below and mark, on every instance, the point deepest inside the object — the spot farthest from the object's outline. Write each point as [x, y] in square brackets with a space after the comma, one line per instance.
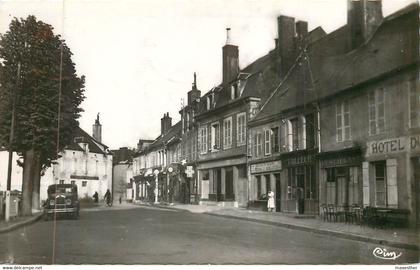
[340, 161]
[266, 167]
[394, 145]
[189, 171]
[299, 160]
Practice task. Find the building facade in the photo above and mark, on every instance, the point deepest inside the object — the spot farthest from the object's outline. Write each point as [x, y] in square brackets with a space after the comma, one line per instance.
[223, 138]
[153, 163]
[347, 115]
[86, 162]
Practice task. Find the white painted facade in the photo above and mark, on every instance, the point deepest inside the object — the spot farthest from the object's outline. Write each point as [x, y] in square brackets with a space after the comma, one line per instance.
[89, 171]
[16, 183]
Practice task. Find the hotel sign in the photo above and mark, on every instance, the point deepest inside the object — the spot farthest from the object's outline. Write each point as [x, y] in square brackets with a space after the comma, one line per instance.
[395, 145]
[266, 167]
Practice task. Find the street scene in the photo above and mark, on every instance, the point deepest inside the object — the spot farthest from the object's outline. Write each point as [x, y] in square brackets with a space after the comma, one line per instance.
[228, 133]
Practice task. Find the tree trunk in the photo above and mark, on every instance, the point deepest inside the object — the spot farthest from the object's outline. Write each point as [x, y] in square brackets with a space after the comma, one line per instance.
[36, 181]
[27, 182]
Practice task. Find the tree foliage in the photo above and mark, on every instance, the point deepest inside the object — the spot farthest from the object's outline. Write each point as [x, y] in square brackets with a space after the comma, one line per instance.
[32, 45]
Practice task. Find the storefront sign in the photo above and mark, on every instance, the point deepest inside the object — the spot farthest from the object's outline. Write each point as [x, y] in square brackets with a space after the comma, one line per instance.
[299, 160]
[340, 161]
[266, 167]
[396, 145]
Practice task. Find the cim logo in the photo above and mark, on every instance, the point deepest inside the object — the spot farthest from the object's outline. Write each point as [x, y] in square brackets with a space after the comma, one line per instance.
[382, 253]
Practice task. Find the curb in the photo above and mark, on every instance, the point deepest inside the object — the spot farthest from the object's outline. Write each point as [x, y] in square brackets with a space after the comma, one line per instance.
[15, 226]
[164, 207]
[323, 232]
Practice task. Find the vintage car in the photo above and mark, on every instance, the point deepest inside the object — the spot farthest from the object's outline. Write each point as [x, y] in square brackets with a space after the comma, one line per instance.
[62, 200]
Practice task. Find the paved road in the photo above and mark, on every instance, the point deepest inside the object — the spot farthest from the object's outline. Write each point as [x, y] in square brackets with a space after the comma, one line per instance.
[149, 235]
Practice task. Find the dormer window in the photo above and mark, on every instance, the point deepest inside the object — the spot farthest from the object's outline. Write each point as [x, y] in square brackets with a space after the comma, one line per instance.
[234, 91]
[209, 101]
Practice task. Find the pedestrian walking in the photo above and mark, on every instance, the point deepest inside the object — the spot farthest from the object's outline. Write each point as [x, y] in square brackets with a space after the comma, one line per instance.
[107, 198]
[270, 201]
[120, 199]
[96, 197]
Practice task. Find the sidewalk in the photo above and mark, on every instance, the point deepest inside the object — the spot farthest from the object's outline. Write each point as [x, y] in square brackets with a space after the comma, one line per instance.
[400, 238]
[18, 222]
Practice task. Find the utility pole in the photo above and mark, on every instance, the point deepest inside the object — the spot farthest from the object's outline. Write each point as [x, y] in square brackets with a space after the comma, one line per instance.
[11, 136]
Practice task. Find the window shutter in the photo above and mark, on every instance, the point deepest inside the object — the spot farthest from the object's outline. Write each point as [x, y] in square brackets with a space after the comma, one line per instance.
[391, 183]
[366, 190]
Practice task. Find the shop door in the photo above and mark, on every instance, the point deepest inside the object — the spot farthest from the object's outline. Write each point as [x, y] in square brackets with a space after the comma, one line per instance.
[342, 190]
[300, 193]
[278, 192]
[416, 167]
[229, 185]
[218, 184]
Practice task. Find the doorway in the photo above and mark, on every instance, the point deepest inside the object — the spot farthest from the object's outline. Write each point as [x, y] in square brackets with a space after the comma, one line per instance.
[229, 195]
[300, 178]
[278, 192]
[416, 179]
[218, 174]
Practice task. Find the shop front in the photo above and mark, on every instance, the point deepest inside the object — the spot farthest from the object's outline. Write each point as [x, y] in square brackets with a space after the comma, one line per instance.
[265, 177]
[223, 182]
[340, 177]
[300, 185]
[391, 174]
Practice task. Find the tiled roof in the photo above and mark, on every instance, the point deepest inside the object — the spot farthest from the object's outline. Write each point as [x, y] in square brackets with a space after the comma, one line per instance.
[94, 146]
[329, 67]
[259, 79]
[172, 134]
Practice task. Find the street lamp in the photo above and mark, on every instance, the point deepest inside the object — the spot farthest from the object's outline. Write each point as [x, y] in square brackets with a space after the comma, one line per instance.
[156, 173]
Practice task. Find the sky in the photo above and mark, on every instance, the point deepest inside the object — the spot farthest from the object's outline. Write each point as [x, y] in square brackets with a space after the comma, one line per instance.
[139, 56]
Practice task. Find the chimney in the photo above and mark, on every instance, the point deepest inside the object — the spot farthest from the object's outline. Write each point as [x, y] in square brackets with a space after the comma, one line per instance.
[230, 60]
[97, 129]
[194, 93]
[165, 123]
[301, 29]
[363, 18]
[286, 43]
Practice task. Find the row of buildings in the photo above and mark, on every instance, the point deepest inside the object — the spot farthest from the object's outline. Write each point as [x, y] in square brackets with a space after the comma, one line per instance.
[321, 119]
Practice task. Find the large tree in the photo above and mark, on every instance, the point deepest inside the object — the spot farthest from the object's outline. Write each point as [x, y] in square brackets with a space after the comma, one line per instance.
[46, 67]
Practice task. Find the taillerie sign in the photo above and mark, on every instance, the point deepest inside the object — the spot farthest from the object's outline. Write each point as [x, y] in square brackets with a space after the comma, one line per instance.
[340, 161]
[395, 145]
[266, 167]
[299, 160]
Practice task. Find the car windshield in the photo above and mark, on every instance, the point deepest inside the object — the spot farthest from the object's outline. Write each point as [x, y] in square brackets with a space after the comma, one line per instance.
[61, 190]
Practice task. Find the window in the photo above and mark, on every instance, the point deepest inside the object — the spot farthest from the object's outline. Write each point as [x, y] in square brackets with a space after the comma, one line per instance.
[380, 184]
[342, 113]
[376, 100]
[209, 102]
[310, 130]
[234, 91]
[275, 140]
[73, 182]
[215, 136]
[284, 142]
[61, 181]
[267, 141]
[295, 134]
[202, 138]
[414, 88]
[227, 133]
[241, 129]
[259, 144]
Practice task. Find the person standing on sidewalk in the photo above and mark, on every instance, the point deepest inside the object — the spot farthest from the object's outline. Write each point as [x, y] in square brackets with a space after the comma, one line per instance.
[270, 201]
